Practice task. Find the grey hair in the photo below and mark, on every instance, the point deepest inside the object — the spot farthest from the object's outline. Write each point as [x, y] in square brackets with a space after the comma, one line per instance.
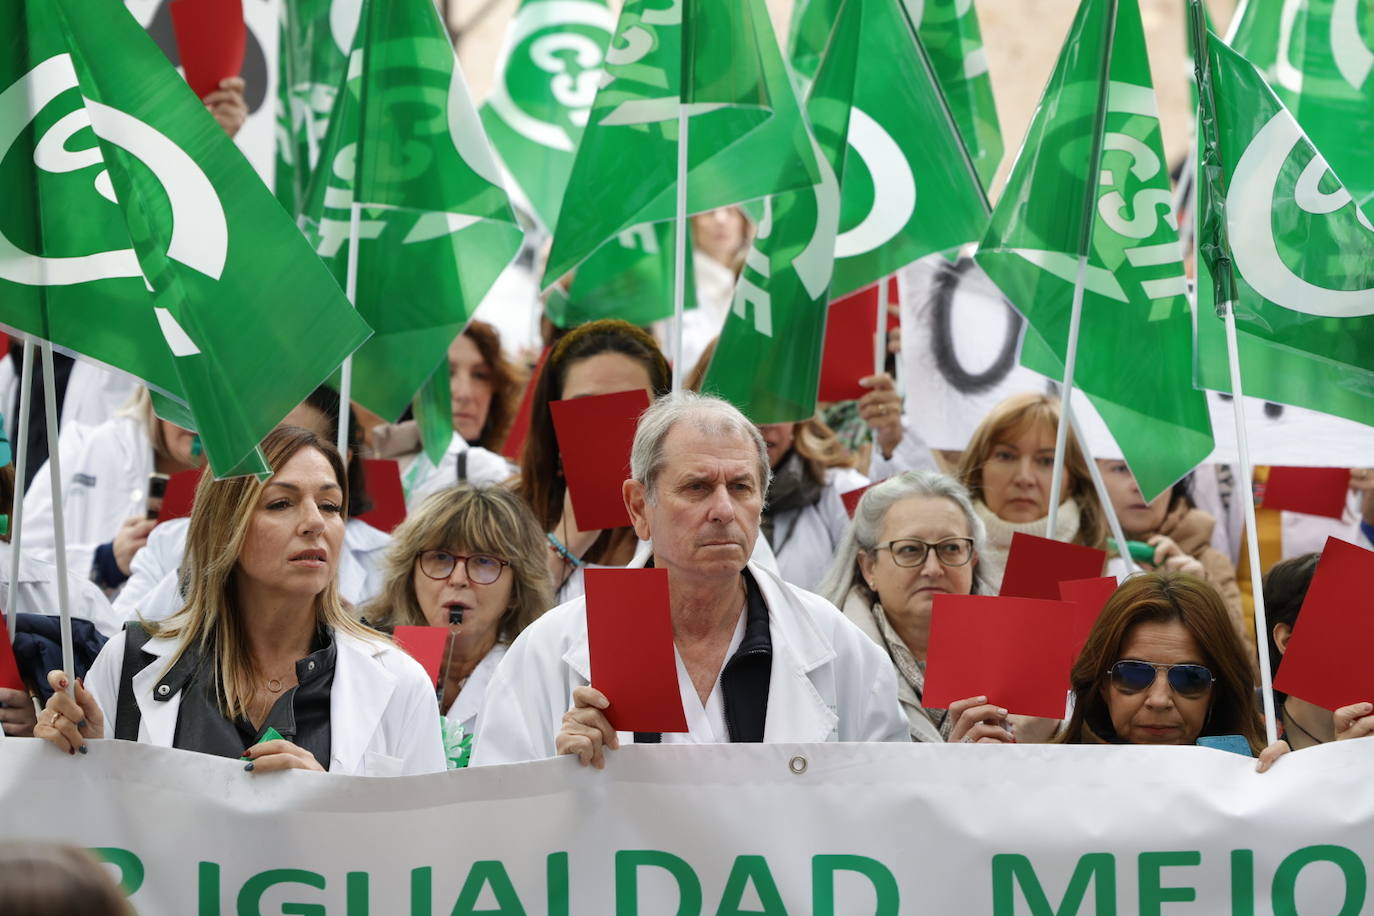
[711, 415]
[862, 534]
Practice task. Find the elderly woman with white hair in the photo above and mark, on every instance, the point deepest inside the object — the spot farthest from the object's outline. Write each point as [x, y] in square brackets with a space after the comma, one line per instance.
[914, 536]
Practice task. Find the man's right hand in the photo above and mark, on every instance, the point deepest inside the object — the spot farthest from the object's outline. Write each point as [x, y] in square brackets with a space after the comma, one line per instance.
[586, 731]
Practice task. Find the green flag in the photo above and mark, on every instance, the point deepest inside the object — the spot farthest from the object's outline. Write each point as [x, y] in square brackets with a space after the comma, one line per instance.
[954, 42]
[314, 38]
[746, 138]
[135, 233]
[1318, 57]
[1091, 180]
[406, 154]
[1282, 238]
[546, 81]
[630, 278]
[768, 359]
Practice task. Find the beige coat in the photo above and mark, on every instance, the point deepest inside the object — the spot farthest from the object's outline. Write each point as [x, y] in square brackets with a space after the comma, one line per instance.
[858, 610]
[1191, 529]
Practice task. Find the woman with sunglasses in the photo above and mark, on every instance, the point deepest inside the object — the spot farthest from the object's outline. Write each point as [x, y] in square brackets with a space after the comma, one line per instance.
[914, 536]
[470, 559]
[1164, 665]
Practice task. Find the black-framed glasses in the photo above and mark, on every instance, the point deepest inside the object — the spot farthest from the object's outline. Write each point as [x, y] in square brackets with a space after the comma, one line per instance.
[1190, 681]
[912, 552]
[481, 568]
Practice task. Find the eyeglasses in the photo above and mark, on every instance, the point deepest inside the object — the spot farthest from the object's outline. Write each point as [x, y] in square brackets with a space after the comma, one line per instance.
[911, 552]
[1189, 681]
[481, 568]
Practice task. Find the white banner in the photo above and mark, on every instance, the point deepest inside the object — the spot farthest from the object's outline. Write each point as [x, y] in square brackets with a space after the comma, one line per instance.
[961, 345]
[775, 829]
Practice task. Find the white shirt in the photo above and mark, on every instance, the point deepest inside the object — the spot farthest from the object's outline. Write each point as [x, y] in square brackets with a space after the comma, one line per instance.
[705, 723]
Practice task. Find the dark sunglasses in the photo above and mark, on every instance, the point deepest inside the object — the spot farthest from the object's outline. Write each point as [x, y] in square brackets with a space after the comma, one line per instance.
[1190, 681]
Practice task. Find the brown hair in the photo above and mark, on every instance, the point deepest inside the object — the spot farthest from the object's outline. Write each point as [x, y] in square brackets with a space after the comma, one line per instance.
[1166, 597]
[1003, 423]
[505, 385]
[220, 518]
[53, 879]
[541, 473]
[482, 519]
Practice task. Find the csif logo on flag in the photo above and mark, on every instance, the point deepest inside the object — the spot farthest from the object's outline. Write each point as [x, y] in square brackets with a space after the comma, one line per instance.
[882, 167]
[1350, 53]
[640, 104]
[552, 66]
[199, 236]
[1280, 169]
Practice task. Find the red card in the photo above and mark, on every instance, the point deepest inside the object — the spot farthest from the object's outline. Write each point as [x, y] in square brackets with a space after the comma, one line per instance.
[210, 39]
[9, 666]
[1036, 566]
[1014, 651]
[181, 494]
[426, 645]
[851, 499]
[850, 326]
[1327, 662]
[1314, 491]
[520, 428]
[1089, 596]
[388, 498]
[594, 438]
[630, 638]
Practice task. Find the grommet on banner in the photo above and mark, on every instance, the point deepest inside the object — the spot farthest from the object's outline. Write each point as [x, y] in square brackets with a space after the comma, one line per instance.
[797, 765]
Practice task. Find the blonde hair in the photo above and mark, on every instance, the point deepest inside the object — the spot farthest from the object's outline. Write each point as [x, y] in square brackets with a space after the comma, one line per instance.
[211, 619]
[483, 519]
[140, 407]
[1002, 424]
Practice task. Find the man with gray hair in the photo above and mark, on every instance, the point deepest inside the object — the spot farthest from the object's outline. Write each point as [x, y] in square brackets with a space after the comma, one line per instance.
[757, 659]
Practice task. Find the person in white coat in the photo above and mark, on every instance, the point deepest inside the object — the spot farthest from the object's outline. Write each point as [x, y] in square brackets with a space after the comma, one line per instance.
[471, 560]
[264, 643]
[757, 659]
[105, 490]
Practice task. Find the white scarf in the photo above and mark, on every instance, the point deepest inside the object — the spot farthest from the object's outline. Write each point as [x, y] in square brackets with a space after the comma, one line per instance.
[992, 561]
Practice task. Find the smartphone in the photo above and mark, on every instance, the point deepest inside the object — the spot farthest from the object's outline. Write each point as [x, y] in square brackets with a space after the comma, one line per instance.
[1233, 743]
[157, 489]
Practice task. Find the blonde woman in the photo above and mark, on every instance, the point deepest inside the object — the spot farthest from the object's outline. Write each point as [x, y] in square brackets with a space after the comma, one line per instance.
[263, 643]
[1008, 467]
[470, 559]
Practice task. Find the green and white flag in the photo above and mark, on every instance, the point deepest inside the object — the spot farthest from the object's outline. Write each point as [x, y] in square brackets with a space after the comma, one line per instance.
[406, 153]
[1280, 236]
[768, 359]
[546, 81]
[315, 37]
[746, 137]
[1091, 180]
[630, 278]
[1318, 57]
[135, 233]
[950, 32]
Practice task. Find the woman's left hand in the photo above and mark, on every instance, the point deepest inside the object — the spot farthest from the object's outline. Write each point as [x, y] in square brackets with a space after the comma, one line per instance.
[1270, 754]
[1354, 721]
[281, 754]
[1168, 555]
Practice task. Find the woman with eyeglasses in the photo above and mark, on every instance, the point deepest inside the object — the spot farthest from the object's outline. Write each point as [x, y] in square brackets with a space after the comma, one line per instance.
[470, 559]
[914, 536]
[1164, 665]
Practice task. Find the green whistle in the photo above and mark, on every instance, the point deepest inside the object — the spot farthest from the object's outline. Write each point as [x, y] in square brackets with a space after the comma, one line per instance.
[1139, 550]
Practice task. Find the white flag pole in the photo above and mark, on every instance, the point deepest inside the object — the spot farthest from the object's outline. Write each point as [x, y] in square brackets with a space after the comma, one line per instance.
[680, 250]
[1061, 433]
[58, 524]
[355, 217]
[21, 468]
[1251, 525]
[1100, 485]
[880, 334]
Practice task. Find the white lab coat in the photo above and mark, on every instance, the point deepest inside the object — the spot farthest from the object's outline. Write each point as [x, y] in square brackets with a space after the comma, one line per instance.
[805, 539]
[911, 454]
[94, 394]
[152, 591]
[423, 478]
[575, 586]
[38, 593]
[829, 682]
[382, 709]
[105, 473]
[467, 706]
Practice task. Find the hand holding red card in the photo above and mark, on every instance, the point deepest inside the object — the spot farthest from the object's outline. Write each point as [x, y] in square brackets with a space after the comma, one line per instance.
[594, 438]
[1036, 566]
[211, 38]
[384, 489]
[630, 638]
[1314, 491]
[1327, 658]
[1017, 652]
[426, 645]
